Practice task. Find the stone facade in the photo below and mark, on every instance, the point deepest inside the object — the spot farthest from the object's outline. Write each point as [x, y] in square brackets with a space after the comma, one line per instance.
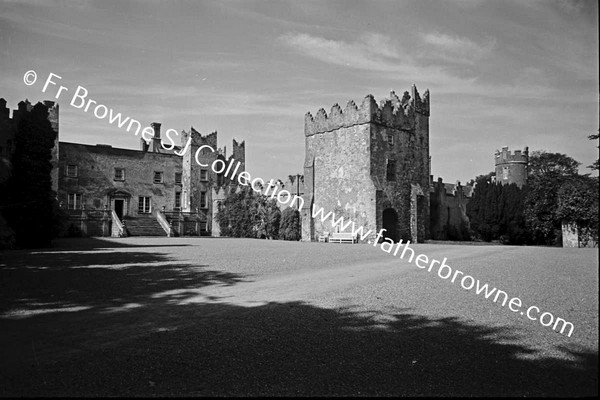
[370, 164]
[511, 168]
[98, 178]
[576, 236]
[448, 210]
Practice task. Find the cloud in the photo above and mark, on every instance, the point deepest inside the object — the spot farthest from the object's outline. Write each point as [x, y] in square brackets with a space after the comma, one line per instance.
[456, 49]
[371, 51]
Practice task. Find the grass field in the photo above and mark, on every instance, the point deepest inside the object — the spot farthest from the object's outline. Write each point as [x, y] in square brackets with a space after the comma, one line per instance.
[185, 316]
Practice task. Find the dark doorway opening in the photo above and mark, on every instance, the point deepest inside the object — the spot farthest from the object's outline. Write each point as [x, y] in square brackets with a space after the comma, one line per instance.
[390, 223]
[119, 208]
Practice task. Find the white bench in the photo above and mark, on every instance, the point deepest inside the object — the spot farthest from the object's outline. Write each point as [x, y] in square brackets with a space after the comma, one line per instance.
[340, 237]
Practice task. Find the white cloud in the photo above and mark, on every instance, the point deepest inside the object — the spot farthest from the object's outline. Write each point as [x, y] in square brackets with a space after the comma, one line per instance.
[456, 48]
[371, 51]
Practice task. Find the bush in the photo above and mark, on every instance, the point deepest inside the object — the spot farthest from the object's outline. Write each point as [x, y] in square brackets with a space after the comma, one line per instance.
[247, 214]
[290, 228]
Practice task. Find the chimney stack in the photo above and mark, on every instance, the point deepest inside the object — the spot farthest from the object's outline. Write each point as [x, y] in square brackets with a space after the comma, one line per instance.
[156, 139]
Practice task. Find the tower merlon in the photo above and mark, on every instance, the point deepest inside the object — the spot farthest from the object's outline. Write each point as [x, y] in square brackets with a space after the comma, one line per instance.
[506, 157]
[392, 112]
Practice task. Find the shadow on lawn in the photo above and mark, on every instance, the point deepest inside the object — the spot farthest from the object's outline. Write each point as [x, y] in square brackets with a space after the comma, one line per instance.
[146, 329]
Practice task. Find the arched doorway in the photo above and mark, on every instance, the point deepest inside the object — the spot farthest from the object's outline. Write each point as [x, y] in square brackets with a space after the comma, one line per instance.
[390, 223]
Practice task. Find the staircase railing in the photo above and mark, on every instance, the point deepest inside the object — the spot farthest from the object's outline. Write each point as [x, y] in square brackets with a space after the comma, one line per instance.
[186, 223]
[162, 220]
[118, 229]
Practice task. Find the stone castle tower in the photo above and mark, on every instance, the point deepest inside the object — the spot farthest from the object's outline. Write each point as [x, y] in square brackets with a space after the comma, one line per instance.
[201, 185]
[511, 168]
[370, 164]
[8, 130]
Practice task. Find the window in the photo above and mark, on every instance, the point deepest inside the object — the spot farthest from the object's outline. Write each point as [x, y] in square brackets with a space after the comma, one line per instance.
[177, 200]
[178, 178]
[390, 139]
[119, 174]
[144, 205]
[158, 177]
[72, 170]
[391, 170]
[74, 201]
[202, 199]
[504, 172]
[203, 175]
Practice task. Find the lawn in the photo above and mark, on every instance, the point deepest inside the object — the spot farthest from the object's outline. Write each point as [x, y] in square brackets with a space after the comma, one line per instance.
[211, 317]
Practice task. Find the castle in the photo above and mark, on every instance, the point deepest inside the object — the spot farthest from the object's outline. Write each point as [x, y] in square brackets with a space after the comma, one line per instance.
[371, 164]
[511, 168]
[368, 163]
[150, 191]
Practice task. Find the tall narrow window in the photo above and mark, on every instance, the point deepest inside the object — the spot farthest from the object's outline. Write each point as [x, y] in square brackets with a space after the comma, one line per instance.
[391, 170]
[144, 204]
[203, 175]
[177, 200]
[72, 170]
[202, 199]
[74, 201]
[504, 172]
[178, 178]
[119, 174]
[158, 177]
[390, 139]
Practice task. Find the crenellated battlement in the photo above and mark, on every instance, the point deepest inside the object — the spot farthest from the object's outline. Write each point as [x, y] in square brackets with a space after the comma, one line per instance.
[239, 150]
[392, 112]
[505, 156]
[198, 139]
[26, 106]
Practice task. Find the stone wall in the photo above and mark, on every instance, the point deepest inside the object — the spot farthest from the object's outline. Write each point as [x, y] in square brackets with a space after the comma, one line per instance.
[342, 163]
[574, 236]
[96, 182]
[371, 164]
[449, 210]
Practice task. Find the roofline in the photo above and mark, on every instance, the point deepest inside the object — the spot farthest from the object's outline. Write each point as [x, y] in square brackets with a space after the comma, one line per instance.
[95, 146]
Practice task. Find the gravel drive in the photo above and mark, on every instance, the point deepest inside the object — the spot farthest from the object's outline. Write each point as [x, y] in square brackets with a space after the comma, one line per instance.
[244, 317]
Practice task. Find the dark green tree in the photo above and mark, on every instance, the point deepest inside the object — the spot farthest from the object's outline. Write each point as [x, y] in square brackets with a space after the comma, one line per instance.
[578, 203]
[495, 211]
[595, 166]
[547, 173]
[29, 203]
[290, 228]
[244, 213]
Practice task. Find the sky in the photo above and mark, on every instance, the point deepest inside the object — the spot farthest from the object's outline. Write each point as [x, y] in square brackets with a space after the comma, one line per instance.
[500, 72]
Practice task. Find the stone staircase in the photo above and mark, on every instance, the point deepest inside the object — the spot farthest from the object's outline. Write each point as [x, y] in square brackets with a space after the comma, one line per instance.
[143, 226]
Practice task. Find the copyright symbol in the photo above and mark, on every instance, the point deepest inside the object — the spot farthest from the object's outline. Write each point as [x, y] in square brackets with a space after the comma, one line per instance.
[30, 77]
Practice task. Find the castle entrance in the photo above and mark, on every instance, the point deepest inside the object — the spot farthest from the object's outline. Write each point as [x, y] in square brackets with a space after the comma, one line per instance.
[119, 203]
[390, 223]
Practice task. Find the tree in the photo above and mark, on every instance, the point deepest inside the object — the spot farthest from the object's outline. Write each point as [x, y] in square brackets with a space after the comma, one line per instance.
[544, 165]
[267, 218]
[495, 211]
[290, 227]
[247, 214]
[29, 203]
[595, 166]
[578, 203]
[548, 172]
